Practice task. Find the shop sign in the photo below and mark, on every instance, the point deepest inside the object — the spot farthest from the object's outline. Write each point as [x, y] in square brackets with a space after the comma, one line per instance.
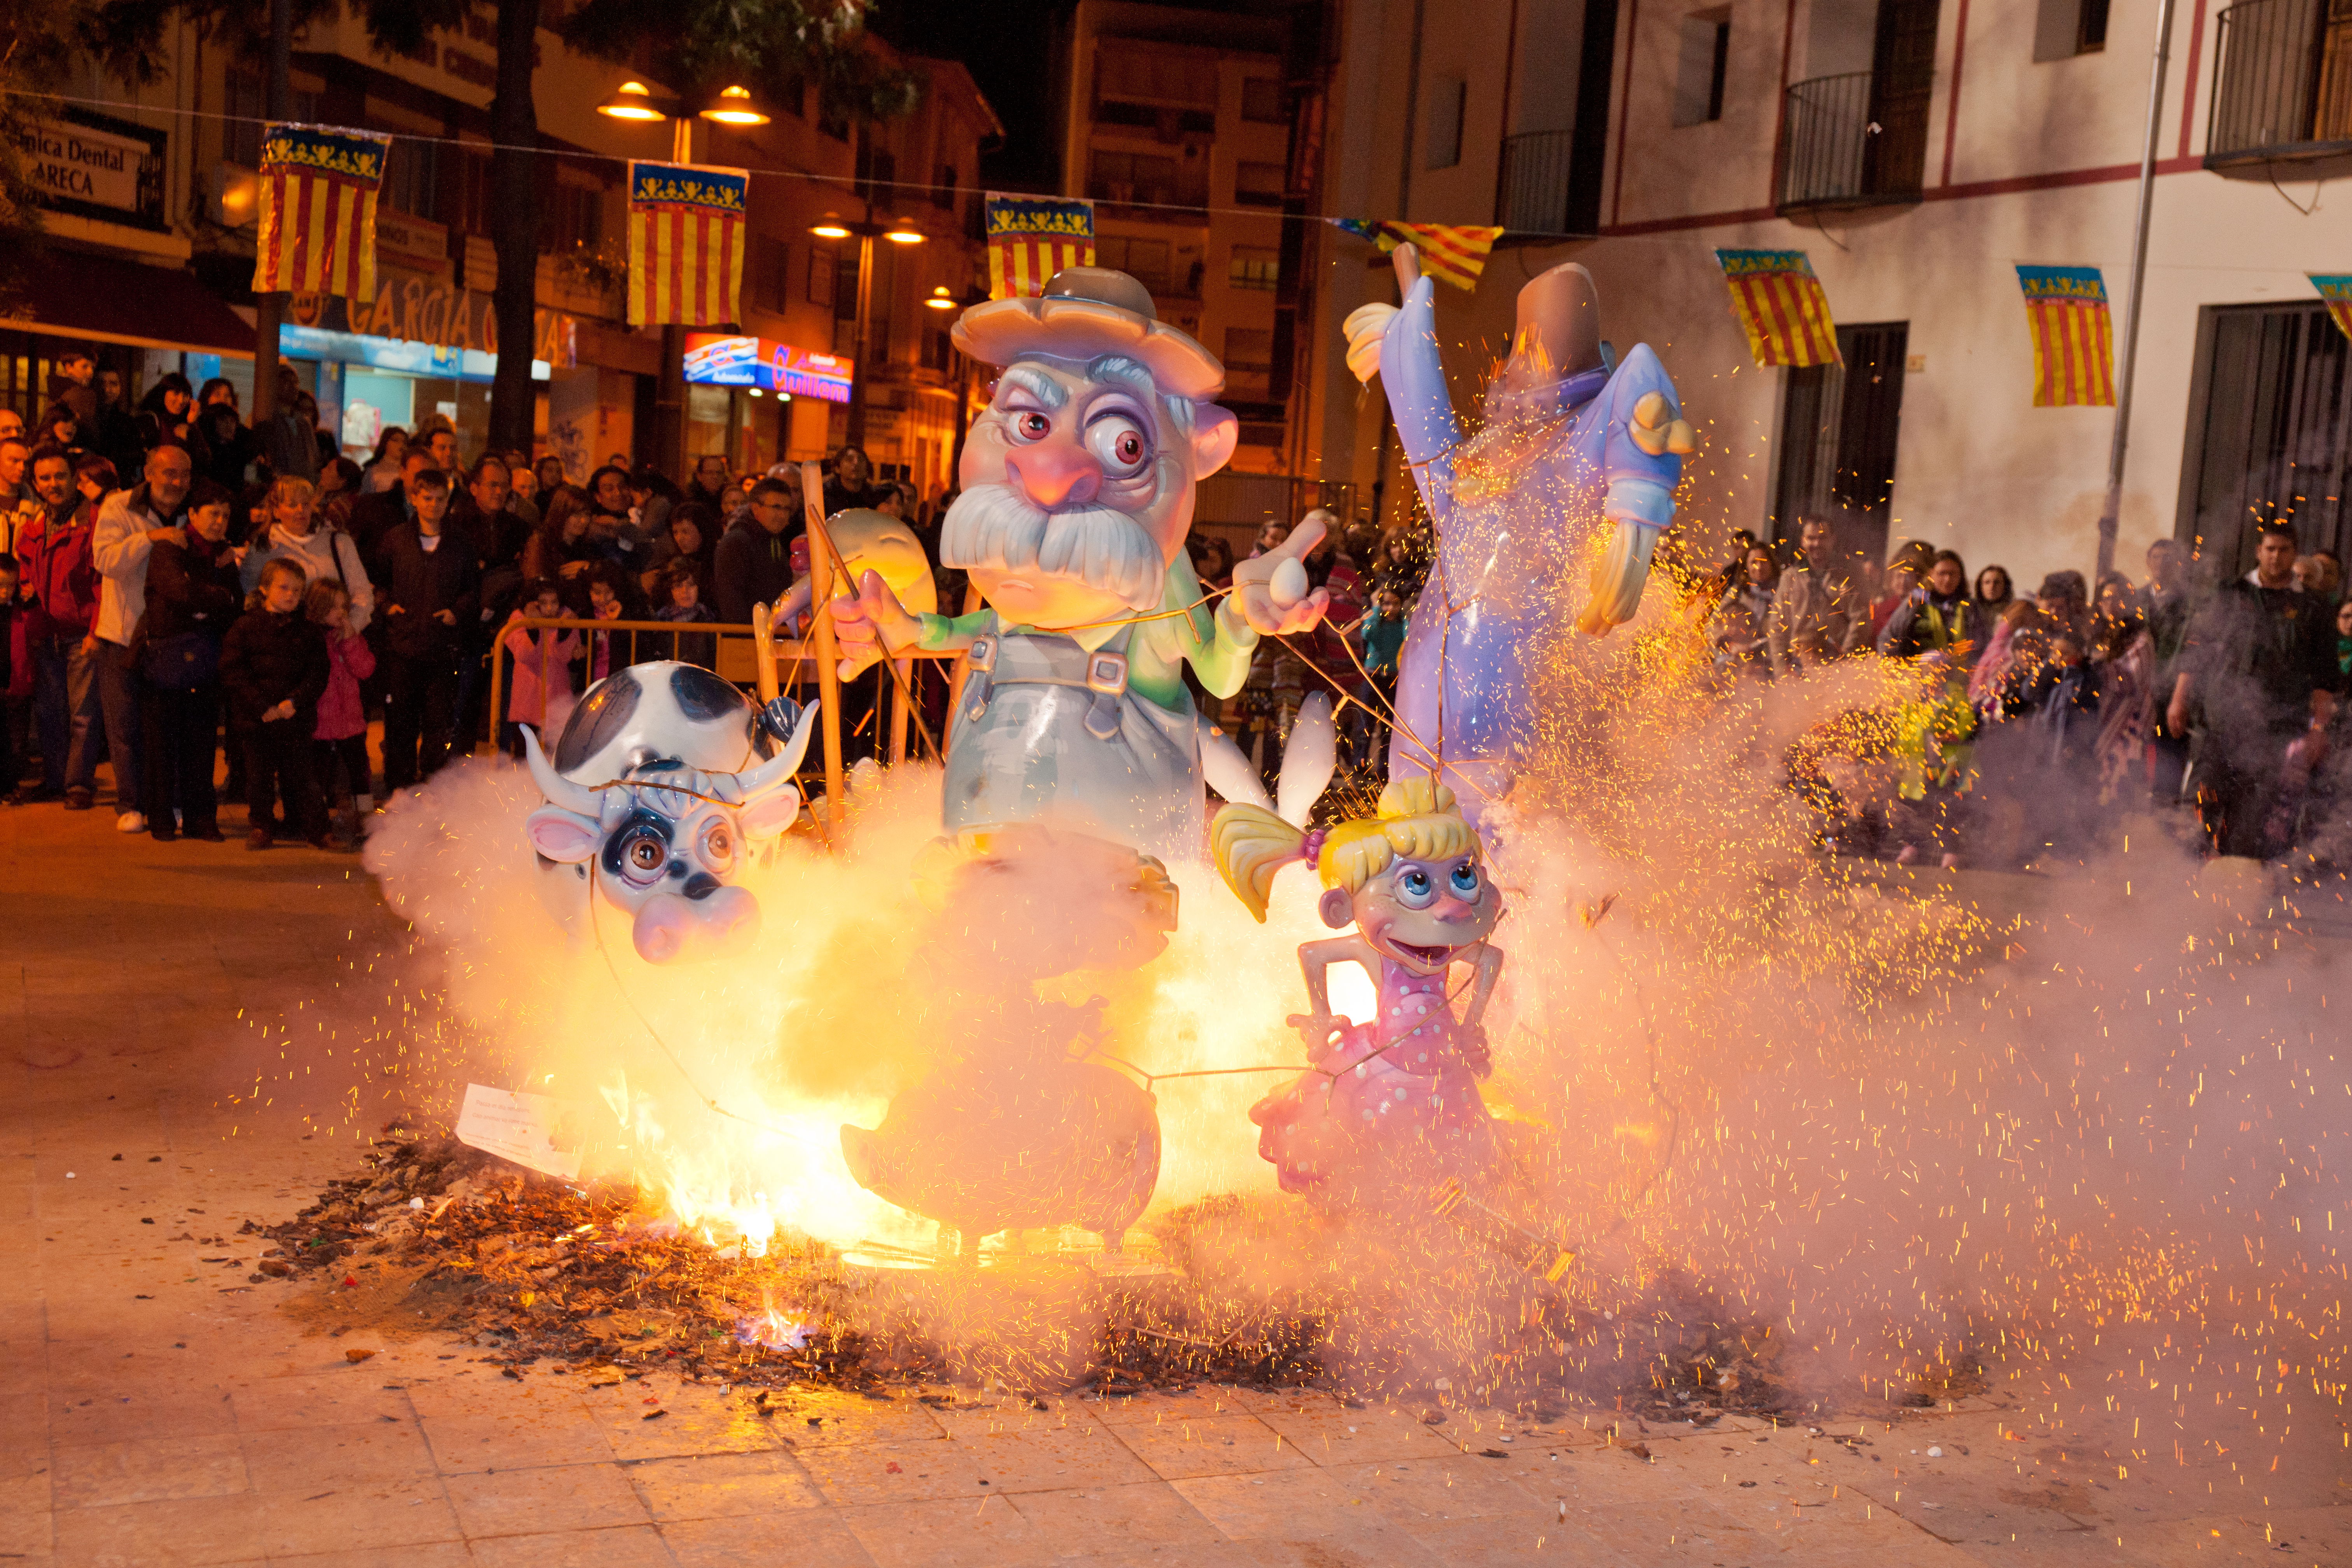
[95, 166]
[724, 359]
[418, 310]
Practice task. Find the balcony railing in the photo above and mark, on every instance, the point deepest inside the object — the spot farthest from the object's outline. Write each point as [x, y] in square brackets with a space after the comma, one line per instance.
[2282, 84]
[1841, 146]
[1532, 195]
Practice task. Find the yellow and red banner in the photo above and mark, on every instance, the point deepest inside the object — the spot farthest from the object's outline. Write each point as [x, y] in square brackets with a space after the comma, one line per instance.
[1782, 306]
[1030, 238]
[1455, 253]
[318, 186]
[2335, 288]
[686, 243]
[2074, 339]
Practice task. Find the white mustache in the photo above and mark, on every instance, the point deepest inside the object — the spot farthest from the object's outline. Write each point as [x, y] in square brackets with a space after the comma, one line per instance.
[995, 528]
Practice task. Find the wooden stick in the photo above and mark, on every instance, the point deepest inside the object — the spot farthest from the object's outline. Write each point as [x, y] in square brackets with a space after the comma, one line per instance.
[828, 657]
[764, 667]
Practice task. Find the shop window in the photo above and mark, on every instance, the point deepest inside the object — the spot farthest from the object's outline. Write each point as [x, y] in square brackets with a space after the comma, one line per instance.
[1258, 184]
[1255, 267]
[1262, 101]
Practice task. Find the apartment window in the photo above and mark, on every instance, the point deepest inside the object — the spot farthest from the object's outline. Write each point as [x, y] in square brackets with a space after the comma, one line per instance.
[939, 350]
[1258, 184]
[1132, 178]
[878, 173]
[1145, 260]
[824, 261]
[248, 103]
[1255, 267]
[943, 186]
[1442, 149]
[1262, 101]
[474, 195]
[768, 265]
[2065, 28]
[411, 177]
[575, 216]
[1249, 363]
[1701, 65]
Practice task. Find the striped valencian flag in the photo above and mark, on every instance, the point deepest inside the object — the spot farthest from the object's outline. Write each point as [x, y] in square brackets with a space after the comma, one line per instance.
[318, 186]
[686, 243]
[1453, 252]
[1781, 305]
[2335, 288]
[2074, 342]
[1030, 238]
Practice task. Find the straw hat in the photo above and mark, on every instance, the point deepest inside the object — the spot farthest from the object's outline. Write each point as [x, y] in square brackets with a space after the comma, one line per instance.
[1086, 311]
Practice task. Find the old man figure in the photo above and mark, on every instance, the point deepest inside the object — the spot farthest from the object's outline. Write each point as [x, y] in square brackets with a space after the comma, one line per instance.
[1077, 490]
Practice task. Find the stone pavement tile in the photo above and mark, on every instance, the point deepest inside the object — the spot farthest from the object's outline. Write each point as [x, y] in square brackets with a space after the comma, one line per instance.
[943, 1533]
[1367, 1549]
[24, 1530]
[1330, 1432]
[623, 1546]
[1514, 1541]
[1417, 1490]
[1047, 1458]
[1647, 1533]
[150, 1469]
[188, 1531]
[1293, 1506]
[321, 1399]
[2320, 1536]
[1097, 1518]
[560, 1497]
[853, 1418]
[337, 1518]
[318, 1458]
[1193, 1403]
[815, 1537]
[528, 1437]
[1226, 1554]
[1217, 1446]
[693, 1420]
[184, 1403]
[439, 1554]
[894, 1473]
[722, 1486]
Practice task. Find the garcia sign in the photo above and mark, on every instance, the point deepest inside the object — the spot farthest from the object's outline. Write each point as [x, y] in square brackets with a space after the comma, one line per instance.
[413, 307]
[92, 165]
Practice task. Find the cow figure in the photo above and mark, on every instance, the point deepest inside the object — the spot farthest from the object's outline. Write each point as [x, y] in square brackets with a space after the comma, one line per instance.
[663, 779]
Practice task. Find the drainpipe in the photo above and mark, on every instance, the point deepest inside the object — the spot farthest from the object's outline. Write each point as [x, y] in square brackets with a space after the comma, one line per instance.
[2110, 512]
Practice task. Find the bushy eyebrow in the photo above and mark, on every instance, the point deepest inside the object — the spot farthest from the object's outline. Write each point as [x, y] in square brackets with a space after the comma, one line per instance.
[1036, 383]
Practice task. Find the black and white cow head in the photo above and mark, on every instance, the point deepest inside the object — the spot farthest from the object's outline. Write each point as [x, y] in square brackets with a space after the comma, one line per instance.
[662, 782]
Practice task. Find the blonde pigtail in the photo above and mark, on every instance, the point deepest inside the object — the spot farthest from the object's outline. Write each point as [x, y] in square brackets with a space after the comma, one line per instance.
[1250, 844]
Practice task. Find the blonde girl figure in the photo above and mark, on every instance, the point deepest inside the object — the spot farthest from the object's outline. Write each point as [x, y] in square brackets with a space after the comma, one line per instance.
[1391, 1107]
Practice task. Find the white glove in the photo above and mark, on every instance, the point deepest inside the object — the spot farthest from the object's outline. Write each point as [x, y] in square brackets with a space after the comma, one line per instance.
[1366, 325]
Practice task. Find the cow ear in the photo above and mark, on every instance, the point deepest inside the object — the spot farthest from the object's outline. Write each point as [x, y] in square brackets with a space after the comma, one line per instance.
[560, 835]
[768, 817]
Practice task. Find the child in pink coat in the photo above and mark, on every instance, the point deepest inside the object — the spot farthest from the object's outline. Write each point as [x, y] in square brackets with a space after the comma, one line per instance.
[340, 734]
[544, 705]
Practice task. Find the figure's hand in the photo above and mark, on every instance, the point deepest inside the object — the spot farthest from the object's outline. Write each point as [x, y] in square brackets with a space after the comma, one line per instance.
[1366, 326]
[871, 624]
[1659, 428]
[1618, 577]
[1255, 583]
[1471, 1046]
[1319, 1030]
[449, 617]
[2176, 715]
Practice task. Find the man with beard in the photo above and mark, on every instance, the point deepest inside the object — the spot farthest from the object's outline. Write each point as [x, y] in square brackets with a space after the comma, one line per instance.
[1076, 495]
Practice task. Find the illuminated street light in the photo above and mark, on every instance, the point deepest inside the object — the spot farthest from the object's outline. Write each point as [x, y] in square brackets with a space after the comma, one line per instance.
[636, 100]
[940, 298]
[734, 107]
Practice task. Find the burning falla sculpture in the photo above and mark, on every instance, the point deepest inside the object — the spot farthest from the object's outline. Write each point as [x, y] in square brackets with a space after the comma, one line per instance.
[1571, 443]
[664, 781]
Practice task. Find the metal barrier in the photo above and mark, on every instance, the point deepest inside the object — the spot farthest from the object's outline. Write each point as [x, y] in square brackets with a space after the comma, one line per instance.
[1251, 499]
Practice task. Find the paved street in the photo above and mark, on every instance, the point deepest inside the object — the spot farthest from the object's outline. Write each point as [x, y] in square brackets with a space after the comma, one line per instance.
[163, 1409]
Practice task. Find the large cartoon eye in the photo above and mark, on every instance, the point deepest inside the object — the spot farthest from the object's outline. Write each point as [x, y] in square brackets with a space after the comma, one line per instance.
[1465, 880]
[719, 845]
[1031, 425]
[1415, 888]
[643, 856]
[1120, 445]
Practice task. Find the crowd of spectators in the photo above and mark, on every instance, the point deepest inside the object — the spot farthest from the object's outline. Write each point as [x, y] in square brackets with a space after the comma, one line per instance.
[177, 586]
[2042, 723]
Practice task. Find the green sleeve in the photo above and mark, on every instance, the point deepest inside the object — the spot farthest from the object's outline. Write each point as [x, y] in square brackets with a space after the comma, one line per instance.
[953, 631]
[1222, 658]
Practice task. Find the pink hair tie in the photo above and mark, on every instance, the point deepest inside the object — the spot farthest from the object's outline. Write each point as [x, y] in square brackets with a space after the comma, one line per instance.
[1310, 849]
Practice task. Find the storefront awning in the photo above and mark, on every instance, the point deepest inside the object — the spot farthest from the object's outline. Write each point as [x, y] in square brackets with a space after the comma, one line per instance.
[101, 299]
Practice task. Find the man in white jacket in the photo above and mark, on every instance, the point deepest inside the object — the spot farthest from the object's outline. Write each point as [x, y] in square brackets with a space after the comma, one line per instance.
[130, 522]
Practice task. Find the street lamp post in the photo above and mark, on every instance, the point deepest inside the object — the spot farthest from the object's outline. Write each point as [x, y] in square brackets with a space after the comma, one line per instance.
[635, 101]
[866, 232]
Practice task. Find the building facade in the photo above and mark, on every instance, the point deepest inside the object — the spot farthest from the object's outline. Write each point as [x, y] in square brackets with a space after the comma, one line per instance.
[1917, 150]
[169, 246]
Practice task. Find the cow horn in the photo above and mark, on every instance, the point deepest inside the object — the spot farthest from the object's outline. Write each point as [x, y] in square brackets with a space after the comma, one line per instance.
[763, 779]
[560, 791]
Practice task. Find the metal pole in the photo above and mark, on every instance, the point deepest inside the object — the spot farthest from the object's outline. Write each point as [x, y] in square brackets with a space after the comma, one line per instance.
[670, 385]
[859, 371]
[2111, 509]
[270, 309]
